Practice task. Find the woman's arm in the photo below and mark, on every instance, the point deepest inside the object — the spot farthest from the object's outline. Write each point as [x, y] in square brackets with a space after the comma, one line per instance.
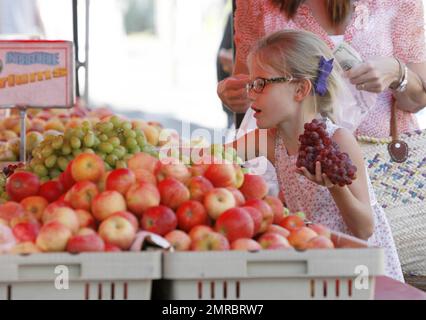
[353, 201]
[407, 32]
[413, 99]
[408, 37]
[248, 25]
[378, 74]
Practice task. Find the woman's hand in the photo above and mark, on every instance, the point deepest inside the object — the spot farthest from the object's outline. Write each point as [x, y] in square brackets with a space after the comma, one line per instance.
[375, 75]
[319, 177]
[232, 92]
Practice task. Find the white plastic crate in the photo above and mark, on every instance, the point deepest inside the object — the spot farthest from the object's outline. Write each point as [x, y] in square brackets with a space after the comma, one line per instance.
[274, 274]
[92, 276]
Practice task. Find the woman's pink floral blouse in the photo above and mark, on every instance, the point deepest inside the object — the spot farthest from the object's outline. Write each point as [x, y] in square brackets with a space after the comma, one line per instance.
[378, 28]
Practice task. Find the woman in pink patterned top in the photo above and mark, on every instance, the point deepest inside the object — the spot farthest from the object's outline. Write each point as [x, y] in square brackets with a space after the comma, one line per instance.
[380, 30]
[288, 87]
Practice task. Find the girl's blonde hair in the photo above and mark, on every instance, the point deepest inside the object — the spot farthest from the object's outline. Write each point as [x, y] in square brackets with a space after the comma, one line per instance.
[297, 53]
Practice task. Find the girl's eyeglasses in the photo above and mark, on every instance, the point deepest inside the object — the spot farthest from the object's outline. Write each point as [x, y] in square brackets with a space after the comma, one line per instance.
[258, 84]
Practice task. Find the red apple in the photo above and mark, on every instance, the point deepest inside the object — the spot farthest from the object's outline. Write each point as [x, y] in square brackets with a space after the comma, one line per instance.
[190, 214]
[26, 231]
[85, 242]
[235, 223]
[120, 180]
[320, 242]
[111, 247]
[274, 228]
[87, 166]
[7, 239]
[254, 187]
[172, 169]
[265, 209]
[179, 240]
[173, 193]
[117, 231]
[257, 217]
[35, 205]
[292, 222]
[10, 210]
[21, 185]
[144, 161]
[50, 209]
[217, 201]
[160, 220]
[66, 179]
[106, 203]
[67, 217]
[25, 248]
[64, 199]
[199, 232]
[239, 197]
[51, 190]
[26, 217]
[198, 169]
[321, 230]
[81, 195]
[142, 175]
[299, 238]
[277, 208]
[85, 219]
[212, 241]
[142, 196]
[245, 244]
[129, 216]
[198, 187]
[53, 237]
[273, 241]
[102, 182]
[223, 175]
[239, 176]
[38, 126]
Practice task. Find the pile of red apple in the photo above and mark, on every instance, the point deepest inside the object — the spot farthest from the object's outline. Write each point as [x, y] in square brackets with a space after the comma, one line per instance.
[202, 207]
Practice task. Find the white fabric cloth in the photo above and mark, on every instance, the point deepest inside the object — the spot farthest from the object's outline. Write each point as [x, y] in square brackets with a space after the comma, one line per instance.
[261, 165]
[337, 39]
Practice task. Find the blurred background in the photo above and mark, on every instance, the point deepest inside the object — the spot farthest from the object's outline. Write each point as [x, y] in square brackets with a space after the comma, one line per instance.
[151, 58]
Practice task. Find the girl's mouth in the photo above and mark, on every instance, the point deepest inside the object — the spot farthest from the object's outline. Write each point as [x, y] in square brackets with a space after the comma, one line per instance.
[257, 111]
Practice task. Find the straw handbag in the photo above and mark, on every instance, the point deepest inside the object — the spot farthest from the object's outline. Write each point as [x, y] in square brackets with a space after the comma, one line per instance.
[397, 169]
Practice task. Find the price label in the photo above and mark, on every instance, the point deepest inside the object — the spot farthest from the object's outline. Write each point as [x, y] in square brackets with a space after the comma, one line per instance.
[36, 73]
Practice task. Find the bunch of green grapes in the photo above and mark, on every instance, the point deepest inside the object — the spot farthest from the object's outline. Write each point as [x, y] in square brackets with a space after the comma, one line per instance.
[3, 194]
[115, 141]
[229, 154]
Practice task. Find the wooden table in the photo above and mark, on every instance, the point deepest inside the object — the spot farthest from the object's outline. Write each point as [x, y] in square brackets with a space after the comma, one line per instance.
[390, 289]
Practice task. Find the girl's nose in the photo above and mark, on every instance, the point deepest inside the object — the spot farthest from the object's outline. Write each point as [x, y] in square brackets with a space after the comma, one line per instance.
[251, 95]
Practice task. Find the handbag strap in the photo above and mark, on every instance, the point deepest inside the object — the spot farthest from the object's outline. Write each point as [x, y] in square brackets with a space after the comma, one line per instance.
[394, 133]
[398, 149]
[393, 122]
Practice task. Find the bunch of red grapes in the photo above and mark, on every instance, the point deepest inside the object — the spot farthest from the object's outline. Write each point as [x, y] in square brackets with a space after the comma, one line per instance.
[10, 169]
[315, 146]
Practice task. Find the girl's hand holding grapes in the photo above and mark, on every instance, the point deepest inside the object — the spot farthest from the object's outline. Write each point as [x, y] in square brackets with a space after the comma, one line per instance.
[319, 177]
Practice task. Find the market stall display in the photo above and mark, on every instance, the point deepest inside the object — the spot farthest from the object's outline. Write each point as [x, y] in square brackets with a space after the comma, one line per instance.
[123, 276]
[312, 274]
[90, 185]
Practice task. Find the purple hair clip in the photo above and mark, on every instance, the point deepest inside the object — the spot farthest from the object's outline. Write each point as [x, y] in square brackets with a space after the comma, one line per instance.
[325, 67]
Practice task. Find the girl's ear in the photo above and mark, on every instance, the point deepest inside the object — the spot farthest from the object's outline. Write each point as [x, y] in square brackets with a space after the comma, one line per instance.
[303, 89]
